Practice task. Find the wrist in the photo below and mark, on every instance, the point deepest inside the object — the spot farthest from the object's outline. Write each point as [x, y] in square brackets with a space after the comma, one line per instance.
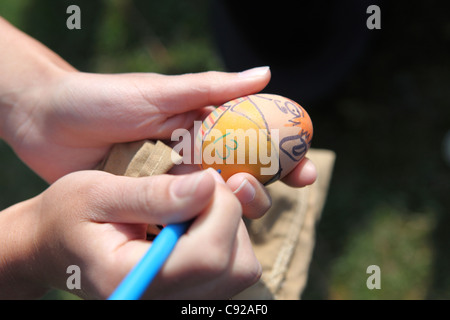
[28, 68]
[20, 266]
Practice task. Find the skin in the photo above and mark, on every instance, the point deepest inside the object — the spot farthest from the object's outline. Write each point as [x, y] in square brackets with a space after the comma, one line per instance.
[62, 122]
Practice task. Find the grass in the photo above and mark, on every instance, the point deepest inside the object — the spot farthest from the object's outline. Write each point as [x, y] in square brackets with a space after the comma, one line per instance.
[399, 243]
[388, 202]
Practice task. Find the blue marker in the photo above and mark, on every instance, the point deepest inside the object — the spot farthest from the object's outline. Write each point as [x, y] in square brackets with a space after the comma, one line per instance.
[140, 277]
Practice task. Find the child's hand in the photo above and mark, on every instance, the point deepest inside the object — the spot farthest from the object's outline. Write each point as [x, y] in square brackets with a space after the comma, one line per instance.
[70, 122]
[97, 221]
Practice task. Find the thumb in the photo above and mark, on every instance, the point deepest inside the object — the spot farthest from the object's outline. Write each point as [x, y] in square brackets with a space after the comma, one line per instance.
[160, 199]
[186, 92]
[185, 96]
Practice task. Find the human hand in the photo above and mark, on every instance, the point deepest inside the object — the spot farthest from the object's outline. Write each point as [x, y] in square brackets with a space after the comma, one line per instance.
[75, 118]
[97, 221]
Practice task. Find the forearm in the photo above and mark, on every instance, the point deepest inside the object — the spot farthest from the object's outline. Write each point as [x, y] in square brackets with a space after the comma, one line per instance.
[20, 265]
[26, 65]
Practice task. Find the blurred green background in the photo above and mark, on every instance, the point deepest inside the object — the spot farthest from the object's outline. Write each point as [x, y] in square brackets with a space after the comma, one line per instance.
[387, 120]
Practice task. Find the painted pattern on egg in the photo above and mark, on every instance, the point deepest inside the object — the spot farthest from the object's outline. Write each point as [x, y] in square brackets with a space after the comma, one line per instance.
[265, 135]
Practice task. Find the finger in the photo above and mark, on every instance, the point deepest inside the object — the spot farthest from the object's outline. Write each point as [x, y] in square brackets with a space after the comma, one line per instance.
[160, 199]
[246, 269]
[185, 97]
[215, 229]
[207, 249]
[225, 282]
[253, 196]
[186, 92]
[222, 216]
[304, 174]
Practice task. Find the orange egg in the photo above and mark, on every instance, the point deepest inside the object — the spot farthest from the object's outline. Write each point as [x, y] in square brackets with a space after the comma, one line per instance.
[265, 135]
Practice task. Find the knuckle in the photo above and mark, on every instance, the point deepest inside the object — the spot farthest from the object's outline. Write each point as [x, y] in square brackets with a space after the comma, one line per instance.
[211, 80]
[252, 274]
[233, 203]
[215, 263]
[91, 193]
[146, 194]
[153, 195]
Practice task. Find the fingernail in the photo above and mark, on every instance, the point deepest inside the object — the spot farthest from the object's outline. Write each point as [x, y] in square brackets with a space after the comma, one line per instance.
[187, 185]
[245, 192]
[254, 72]
[216, 175]
[309, 166]
[309, 170]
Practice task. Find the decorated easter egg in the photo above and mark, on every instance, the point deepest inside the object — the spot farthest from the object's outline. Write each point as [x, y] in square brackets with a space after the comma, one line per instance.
[265, 135]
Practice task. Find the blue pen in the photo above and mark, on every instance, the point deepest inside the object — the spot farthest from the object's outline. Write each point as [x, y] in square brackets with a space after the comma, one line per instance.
[140, 277]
